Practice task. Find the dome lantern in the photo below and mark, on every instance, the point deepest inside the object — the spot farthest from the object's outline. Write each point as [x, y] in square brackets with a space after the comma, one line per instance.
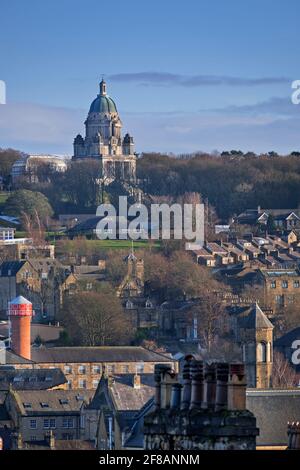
[102, 88]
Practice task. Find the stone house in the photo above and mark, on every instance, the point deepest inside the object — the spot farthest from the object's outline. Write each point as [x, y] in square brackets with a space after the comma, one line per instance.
[41, 280]
[281, 287]
[84, 366]
[36, 412]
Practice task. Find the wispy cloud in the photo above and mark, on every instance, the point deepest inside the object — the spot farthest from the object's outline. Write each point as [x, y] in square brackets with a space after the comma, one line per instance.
[39, 128]
[275, 106]
[168, 79]
[270, 125]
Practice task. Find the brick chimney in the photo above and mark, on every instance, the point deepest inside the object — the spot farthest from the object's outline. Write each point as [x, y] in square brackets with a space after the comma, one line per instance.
[20, 315]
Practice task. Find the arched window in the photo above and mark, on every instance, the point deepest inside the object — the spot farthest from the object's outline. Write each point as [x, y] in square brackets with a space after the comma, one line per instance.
[261, 355]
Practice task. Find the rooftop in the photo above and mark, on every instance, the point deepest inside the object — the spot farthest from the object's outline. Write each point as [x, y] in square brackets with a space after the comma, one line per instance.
[96, 354]
[47, 401]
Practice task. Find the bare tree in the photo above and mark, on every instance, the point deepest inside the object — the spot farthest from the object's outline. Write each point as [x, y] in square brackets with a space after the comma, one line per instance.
[211, 319]
[94, 318]
[283, 375]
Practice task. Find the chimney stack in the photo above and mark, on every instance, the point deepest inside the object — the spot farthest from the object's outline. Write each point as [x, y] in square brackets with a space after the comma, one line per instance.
[20, 315]
[237, 387]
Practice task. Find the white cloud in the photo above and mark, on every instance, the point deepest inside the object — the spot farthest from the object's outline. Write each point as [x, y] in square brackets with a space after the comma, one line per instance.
[270, 125]
[37, 127]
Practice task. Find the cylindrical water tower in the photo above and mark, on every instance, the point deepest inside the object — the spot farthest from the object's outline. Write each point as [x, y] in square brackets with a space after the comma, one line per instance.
[20, 314]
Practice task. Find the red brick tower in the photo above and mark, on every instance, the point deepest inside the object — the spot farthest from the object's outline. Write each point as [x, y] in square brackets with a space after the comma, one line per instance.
[20, 314]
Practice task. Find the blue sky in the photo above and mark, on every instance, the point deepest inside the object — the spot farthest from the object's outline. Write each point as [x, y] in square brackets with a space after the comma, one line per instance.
[186, 76]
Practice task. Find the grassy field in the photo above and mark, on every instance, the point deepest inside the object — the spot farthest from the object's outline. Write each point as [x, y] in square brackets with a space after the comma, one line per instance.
[3, 196]
[112, 244]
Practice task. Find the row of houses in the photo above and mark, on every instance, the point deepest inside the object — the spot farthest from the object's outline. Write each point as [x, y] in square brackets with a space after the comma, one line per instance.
[269, 251]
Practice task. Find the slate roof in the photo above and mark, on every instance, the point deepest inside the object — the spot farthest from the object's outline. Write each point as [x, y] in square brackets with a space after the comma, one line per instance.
[273, 409]
[97, 354]
[279, 272]
[30, 379]
[135, 438]
[11, 268]
[65, 401]
[13, 358]
[255, 319]
[128, 398]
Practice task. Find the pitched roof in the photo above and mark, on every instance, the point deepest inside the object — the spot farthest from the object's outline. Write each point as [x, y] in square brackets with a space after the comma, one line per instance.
[13, 358]
[97, 354]
[11, 268]
[30, 379]
[121, 393]
[135, 438]
[48, 401]
[128, 398]
[255, 319]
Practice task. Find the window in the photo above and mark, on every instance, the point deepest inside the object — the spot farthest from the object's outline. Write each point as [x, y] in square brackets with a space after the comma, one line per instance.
[67, 437]
[68, 423]
[296, 284]
[49, 423]
[81, 369]
[64, 401]
[44, 404]
[284, 284]
[273, 284]
[89, 286]
[32, 424]
[140, 368]
[95, 383]
[261, 352]
[111, 369]
[96, 369]
[68, 369]
[125, 369]
[279, 300]
[82, 383]
[33, 438]
[82, 421]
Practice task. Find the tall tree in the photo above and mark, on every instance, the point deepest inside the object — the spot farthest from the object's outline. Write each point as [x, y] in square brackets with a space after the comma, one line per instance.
[96, 319]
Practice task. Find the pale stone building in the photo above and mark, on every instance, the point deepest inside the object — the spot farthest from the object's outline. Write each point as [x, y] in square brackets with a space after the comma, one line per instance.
[103, 140]
[256, 339]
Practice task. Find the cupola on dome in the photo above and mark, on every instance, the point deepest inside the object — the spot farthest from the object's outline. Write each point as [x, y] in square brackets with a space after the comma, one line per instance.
[103, 103]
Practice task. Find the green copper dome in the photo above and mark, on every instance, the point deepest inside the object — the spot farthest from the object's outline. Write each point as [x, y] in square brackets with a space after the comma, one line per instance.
[103, 103]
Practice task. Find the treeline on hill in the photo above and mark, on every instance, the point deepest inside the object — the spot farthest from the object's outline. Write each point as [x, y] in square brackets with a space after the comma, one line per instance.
[230, 182]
